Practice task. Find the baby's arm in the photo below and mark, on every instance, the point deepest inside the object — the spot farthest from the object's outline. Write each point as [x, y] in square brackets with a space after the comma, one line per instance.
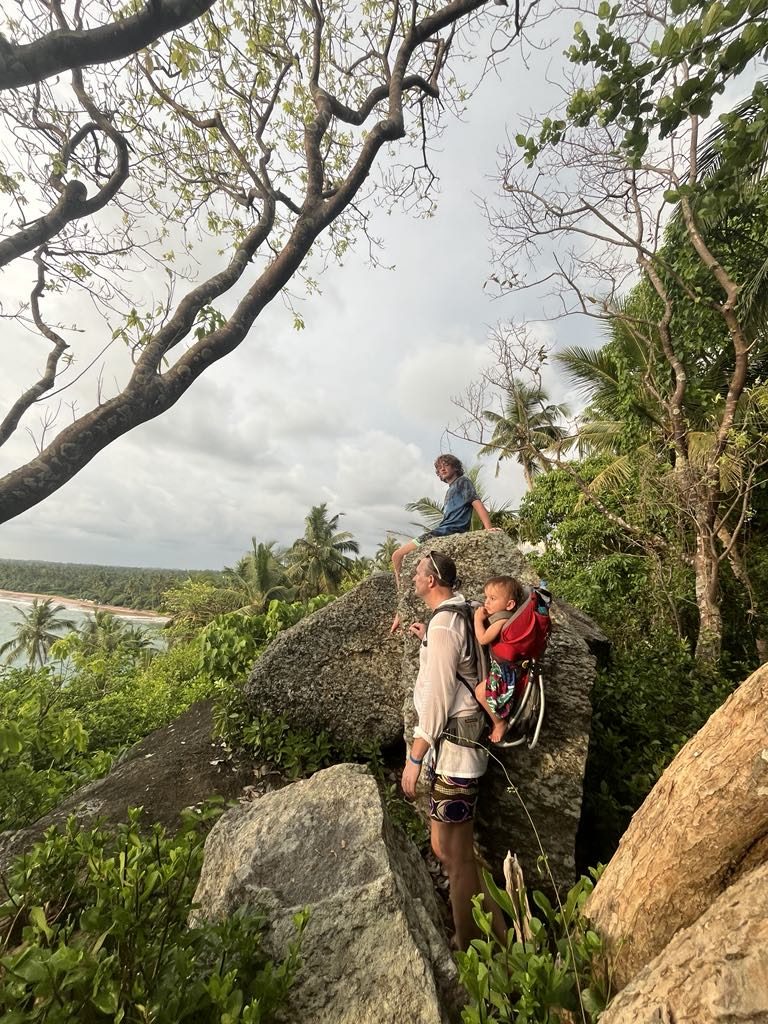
[486, 634]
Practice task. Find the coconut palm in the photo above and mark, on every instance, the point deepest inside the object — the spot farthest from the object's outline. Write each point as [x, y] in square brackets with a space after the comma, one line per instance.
[36, 631]
[260, 576]
[102, 633]
[383, 557]
[319, 560]
[527, 427]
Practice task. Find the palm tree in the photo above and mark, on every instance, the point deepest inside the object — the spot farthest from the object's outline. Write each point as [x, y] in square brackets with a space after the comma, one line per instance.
[36, 631]
[319, 559]
[383, 557]
[260, 576]
[102, 632]
[527, 427]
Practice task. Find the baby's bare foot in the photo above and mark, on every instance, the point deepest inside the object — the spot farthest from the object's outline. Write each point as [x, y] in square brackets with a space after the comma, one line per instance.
[498, 732]
[395, 624]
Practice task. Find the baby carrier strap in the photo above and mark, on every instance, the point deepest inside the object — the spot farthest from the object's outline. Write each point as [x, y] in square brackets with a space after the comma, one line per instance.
[466, 730]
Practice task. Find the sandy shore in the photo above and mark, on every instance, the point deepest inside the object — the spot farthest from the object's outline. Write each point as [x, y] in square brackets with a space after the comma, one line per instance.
[87, 606]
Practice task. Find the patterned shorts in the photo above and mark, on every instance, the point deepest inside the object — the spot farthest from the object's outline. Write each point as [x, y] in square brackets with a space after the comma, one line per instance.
[453, 800]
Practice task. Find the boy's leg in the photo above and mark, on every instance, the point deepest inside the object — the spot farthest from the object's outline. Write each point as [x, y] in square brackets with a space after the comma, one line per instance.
[397, 562]
[399, 555]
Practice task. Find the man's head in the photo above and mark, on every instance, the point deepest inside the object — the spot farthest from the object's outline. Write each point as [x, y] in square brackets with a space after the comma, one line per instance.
[435, 578]
[448, 467]
[502, 593]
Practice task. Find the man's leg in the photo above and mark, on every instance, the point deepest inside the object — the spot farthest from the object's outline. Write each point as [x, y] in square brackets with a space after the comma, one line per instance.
[453, 845]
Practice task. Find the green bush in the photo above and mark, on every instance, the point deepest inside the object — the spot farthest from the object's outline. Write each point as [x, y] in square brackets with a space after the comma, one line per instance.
[43, 748]
[645, 708]
[556, 974]
[95, 928]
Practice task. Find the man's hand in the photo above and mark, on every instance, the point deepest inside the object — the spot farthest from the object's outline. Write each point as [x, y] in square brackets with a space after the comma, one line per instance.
[410, 777]
[418, 629]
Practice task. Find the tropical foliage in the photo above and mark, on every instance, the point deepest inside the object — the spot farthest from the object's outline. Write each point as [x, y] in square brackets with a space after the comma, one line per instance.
[103, 584]
[96, 927]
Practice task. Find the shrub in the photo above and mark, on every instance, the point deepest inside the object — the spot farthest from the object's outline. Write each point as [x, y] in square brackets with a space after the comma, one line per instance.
[96, 930]
[554, 972]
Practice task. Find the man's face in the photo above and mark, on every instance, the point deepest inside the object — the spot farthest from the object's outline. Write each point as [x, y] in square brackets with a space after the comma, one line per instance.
[424, 572]
[446, 472]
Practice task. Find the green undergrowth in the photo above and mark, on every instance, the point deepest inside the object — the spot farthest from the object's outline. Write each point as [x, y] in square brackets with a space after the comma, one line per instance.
[94, 928]
[550, 970]
[298, 753]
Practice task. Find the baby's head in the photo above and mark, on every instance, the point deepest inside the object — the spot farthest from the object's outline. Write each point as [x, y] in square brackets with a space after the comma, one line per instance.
[502, 593]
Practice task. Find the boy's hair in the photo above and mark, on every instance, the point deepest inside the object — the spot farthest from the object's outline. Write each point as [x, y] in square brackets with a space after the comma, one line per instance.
[512, 588]
[449, 460]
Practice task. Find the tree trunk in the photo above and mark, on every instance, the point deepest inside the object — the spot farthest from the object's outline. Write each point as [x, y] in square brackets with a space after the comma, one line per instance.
[711, 973]
[703, 825]
[707, 572]
[739, 570]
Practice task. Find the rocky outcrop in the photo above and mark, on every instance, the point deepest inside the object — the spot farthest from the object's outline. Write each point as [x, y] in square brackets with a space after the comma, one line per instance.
[547, 782]
[338, 669]
[171, 769]
[373, 950]
[713, 972]
[702, 826]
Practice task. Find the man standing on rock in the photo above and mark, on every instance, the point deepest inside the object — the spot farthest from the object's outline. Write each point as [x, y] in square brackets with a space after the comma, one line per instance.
[454, 769]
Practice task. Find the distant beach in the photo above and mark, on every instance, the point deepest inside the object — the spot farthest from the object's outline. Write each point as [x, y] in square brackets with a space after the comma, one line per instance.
[85, 606]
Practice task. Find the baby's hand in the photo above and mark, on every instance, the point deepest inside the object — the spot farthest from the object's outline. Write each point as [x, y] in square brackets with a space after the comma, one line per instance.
[480, 615]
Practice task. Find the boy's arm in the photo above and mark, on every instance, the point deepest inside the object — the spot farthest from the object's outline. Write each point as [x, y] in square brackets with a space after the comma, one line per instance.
[482, 514]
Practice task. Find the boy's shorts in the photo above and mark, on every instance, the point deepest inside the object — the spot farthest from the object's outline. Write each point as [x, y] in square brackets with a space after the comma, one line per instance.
[453, 800]
[424, 536]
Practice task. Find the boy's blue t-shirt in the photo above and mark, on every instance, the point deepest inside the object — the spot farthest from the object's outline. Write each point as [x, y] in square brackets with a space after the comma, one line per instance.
[457, 508]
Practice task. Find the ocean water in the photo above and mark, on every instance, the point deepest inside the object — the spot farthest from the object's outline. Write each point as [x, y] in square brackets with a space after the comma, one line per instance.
[12, 609]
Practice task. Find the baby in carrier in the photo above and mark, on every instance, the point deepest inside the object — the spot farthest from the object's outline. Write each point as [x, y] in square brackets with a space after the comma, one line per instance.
[516, 630]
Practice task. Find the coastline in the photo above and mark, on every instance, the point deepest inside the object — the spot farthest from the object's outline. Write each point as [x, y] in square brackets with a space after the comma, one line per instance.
[86, 606]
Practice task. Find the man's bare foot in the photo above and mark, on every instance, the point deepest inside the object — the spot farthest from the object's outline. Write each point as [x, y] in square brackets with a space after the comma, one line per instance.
[498, 732]
[395, 624]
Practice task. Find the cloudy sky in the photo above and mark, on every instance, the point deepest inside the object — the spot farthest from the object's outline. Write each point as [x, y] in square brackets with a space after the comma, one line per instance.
[350, 411]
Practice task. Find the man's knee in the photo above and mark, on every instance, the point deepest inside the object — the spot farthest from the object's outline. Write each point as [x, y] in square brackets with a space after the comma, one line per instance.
[452, 844]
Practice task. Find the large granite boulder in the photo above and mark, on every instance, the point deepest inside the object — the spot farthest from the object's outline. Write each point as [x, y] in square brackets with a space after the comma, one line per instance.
[713, 972]
[172, 768]
[546, 783]
[703, 825]
[338, 669]
[373, 949]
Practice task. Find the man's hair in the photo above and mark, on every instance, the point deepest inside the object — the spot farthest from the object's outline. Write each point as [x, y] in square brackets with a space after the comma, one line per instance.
[449, 460]
[446, 569]
[512, 588]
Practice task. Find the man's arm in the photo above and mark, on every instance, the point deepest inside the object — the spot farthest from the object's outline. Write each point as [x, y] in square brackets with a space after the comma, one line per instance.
[482, 514]
[444, 653]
